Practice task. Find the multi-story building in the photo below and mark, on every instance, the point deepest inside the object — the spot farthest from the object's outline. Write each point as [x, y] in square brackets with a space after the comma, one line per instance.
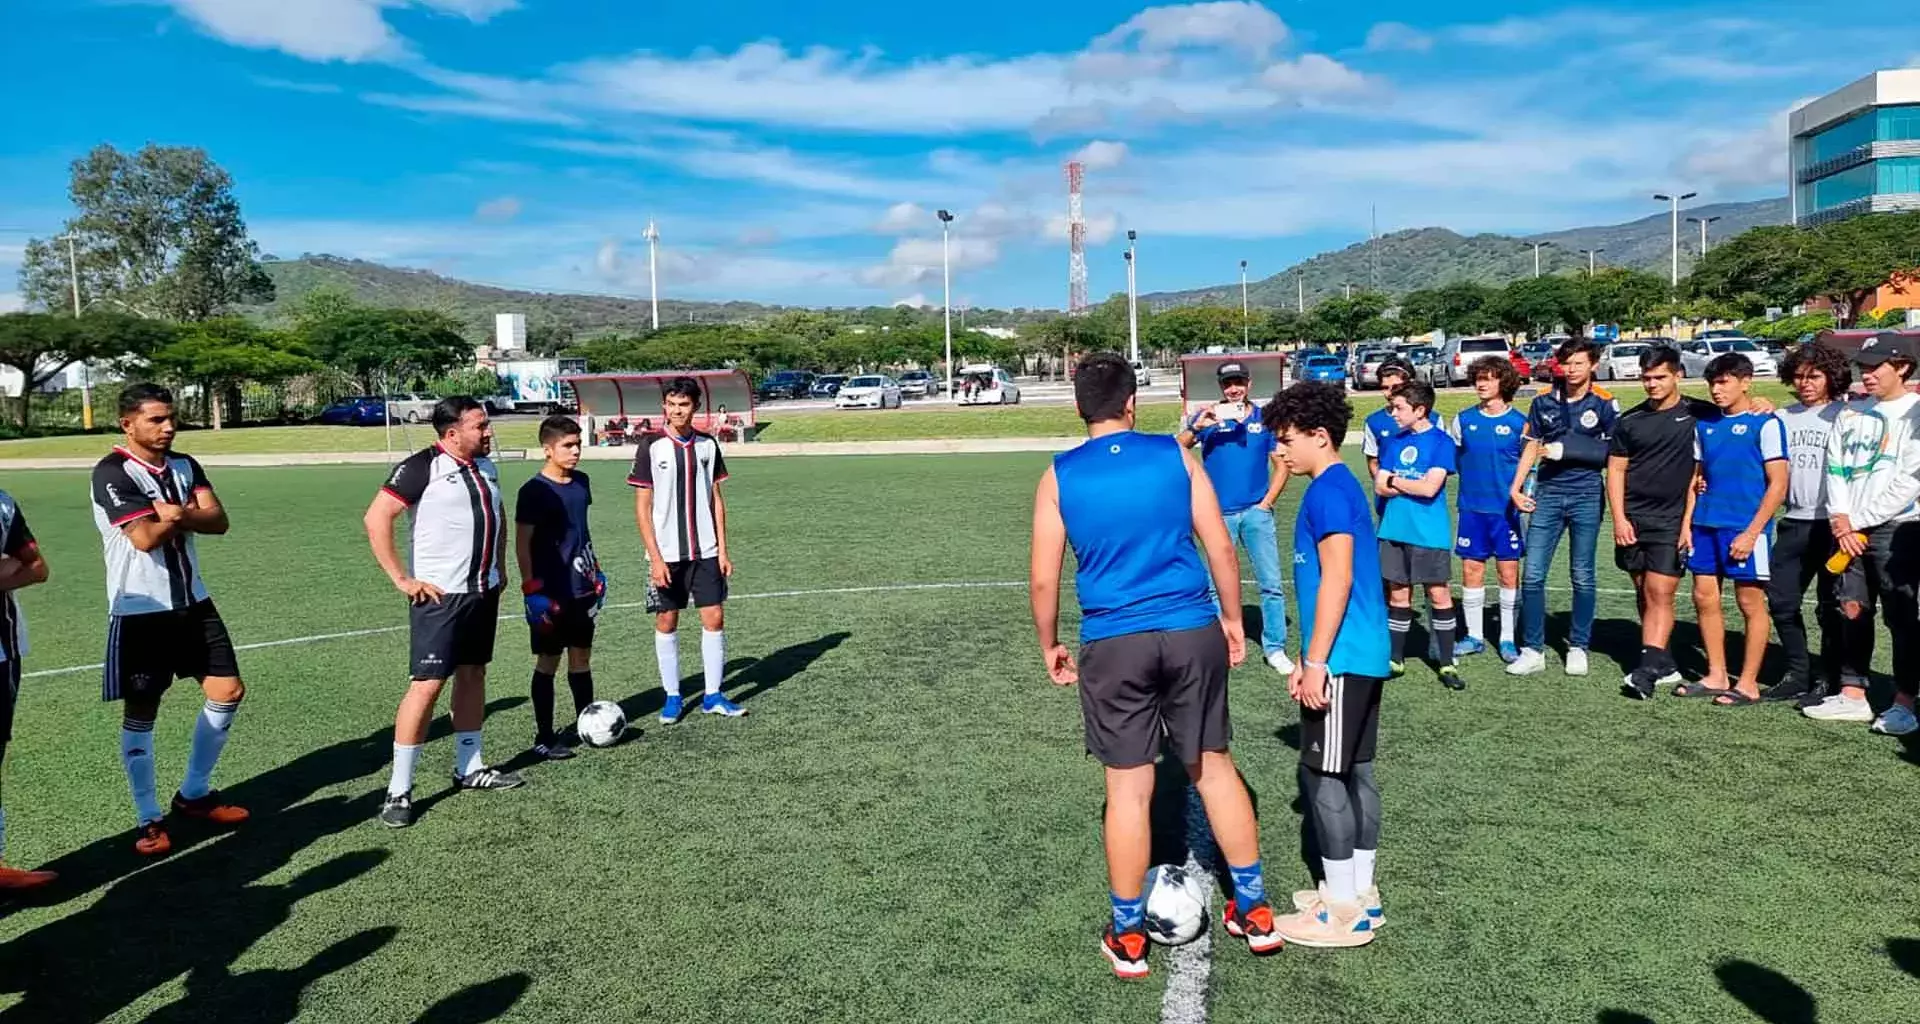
[1857, 150]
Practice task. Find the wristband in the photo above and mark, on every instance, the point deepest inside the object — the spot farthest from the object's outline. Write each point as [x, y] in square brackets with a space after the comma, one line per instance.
[1313, 664]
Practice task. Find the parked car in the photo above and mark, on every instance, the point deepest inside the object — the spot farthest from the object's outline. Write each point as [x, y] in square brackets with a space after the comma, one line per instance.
[786, 384]
[412, 407]
[919, 384]
[869, 392]
[985, 385]
[1696, 354]
[1773, 347]
[1142, 377]
[1719, 332]
[827, 385]
[1458, 354]
[1621, 360]
[1365, 370]
[1546, 365]
[1327, 368]
[355, 411]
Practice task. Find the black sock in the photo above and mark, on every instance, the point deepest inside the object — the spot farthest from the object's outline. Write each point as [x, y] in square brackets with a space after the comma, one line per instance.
[1399, 620]
[543, 707]
[1651, 659]
[581, 683]
[1441, 621]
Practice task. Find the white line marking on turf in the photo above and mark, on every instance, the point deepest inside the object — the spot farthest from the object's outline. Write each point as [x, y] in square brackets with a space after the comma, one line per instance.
[1188, 969]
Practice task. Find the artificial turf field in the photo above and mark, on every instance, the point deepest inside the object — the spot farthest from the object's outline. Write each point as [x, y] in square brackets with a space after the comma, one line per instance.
[905, 828]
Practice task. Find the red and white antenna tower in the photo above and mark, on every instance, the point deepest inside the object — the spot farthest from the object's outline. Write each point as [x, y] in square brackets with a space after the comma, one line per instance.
[1076, 240]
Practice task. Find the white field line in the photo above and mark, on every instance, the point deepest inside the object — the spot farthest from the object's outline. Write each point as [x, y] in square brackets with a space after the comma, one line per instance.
[1188, 969]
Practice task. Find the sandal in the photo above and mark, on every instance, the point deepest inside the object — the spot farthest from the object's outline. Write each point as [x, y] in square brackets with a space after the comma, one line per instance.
[1733, 699]
[1698, 689]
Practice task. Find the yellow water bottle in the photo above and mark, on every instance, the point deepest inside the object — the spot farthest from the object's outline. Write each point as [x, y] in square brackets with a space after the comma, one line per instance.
[1840, 560]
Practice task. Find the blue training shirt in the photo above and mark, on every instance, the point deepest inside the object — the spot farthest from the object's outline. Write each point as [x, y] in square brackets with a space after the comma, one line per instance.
[1238, 459]
[1489, 456]
[1336, 503]
[1379, 426]
[1128, 507]
[1422, 522]
[1733, 453]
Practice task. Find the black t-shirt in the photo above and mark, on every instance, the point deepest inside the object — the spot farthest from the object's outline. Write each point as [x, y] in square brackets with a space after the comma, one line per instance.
[1659, 448]
[563, 559]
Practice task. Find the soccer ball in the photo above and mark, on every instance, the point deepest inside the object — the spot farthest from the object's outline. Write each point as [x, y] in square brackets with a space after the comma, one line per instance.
[602, 723]
[1176, 905]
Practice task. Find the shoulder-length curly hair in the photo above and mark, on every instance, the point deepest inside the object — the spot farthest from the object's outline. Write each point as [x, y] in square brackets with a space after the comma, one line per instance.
[1825, 358]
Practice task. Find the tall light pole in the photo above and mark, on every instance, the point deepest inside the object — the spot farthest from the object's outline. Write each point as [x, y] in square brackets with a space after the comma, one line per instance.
[1133, 301]
[1676, 200]
[86, 371]
[1537, 246]
[653, 270]
[1703, 222]
[1244, 333]
[1590, 254]
[1300, 281]
[946, 301]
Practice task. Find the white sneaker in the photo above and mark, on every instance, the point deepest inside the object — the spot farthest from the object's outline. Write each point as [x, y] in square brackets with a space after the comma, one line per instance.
[1840, 709]
[1278, 660]
[1576, 661]
[1530, 663]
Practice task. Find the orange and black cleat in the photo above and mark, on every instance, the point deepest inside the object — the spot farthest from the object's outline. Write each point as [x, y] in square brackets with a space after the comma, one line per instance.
[16, 880]
[151, 840]
[209, 808]
[1255, 926]
[1126, 952]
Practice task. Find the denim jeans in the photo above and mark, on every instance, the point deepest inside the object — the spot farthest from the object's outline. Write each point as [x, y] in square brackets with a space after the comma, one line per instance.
[1253, 529]
[1556, 510]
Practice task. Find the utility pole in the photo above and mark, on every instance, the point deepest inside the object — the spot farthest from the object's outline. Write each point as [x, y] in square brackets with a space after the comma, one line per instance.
[1373, 249]
[86, 371]
[946, 302]
[1537, 246]
[1133, 301]
[1676, 200]
[653, 270]
[1703, 222]
[1244, 332]
[1300, 279]
[1590, 254]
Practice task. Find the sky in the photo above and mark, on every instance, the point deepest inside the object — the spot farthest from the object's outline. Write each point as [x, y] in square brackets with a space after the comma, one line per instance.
[796, 153]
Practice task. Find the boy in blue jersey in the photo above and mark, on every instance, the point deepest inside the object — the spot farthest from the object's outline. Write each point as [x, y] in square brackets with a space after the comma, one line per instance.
[1743, 465]
[1154, 650]
[1416, 534]
[560, 577]
[1490, 438]
[1379, 425]
[1343, 664]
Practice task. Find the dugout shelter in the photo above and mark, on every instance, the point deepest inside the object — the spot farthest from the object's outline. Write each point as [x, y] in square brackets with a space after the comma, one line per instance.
[613, 405]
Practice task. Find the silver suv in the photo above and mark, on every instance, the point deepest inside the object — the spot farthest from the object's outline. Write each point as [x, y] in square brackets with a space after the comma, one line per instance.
[1456, 357]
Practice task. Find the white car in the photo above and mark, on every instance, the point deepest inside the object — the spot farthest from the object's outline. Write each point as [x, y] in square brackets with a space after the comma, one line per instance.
[869, 392]
[1620, 361]
[1142, 377]
[985, 385]
[1695, 355]
[411, 407]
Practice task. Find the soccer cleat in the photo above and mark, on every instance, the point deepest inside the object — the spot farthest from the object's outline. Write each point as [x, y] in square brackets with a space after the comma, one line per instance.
[1307, 899]
[209, 808]
[17, 880]
[1327, 925]
[1897, 720]
[671, 711]
[1255, 926]
[1508, 652]
[1396, 669]
[1638, 685]
[1280, 663]
[151, 840]
[716, 704]
[1840, 709]
[396, 811]
[1126, 952]
[1469, 645]
[555, 751]
[1451, 679]
[1529, 663]
[1576, 661]
[489, 778]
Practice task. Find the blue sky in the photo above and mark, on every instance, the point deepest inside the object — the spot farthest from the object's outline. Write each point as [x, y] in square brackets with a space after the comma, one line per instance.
[795, 152]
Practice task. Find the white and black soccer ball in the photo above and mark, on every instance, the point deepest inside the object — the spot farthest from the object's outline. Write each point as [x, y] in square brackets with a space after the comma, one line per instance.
[1176, 905]
[602, 723]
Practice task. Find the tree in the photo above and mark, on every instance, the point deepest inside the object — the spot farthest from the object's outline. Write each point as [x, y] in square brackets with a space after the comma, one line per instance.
[376, 345]
[1844, 262]
[158, 233]
[40, 345]
[1537, 305]
[1194, 329]
[1628, 298]
[1463, 307]
[1345, 319]
[222, 353]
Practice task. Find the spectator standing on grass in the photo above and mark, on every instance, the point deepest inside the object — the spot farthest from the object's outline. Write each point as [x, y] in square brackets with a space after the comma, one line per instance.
[1416, 533]
[1238, 454]
[1802, 540]
[1873, 457]
[21, 566]
[1567, 430]
[1489, 437]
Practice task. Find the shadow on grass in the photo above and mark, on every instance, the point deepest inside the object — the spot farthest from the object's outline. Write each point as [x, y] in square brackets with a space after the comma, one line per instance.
[748, 679]
[489, 1000]
[198, 910]
[1766, 993]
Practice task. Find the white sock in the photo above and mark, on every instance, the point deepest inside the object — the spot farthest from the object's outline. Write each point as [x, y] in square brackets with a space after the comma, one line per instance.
[666, 651]
[1363, 869]
[466, 753]
[713, 658]
[405, 757]
[1340, 880]
[209, 739]
[136, 756]
[1473, 605]
[1509, 611]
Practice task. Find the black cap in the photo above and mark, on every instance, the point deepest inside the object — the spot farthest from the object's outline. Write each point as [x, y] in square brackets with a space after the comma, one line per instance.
[1232, 371]
[1884, 346]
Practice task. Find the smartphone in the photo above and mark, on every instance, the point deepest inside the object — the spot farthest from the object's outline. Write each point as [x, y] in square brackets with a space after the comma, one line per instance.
[1229, 412]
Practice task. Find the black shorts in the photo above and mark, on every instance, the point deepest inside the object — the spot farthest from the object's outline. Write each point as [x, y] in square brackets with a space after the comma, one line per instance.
[147, 652]
[1652, 551]
[457, 631]
[1137, 688]
[1344, 733]
[9, 696]
[700, 582]
[1401, 562]
[572, 627]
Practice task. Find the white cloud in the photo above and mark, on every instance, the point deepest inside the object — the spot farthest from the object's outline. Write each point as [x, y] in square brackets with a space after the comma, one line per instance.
[320, 30]
[1101, 155]
[1734, 160]
[1114, 66]
[901, 218]
[288, 85]
[1391, 36]
[759, 236]
[503, 208]
[12, 302]
[492, 110]
[1225, 24]
[915, 301]
[1313, 75]
[735, 160]
[916, 261]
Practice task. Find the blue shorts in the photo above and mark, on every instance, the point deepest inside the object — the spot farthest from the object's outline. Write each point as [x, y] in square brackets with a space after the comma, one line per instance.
[1485, 535]
[1712, 555]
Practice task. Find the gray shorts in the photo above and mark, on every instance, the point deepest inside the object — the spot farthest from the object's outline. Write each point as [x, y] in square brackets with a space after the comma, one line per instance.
[1401, 562]
[1137, 688]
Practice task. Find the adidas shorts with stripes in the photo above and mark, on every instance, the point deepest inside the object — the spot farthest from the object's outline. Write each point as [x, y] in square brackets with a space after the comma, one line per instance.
[147, 652]
[1342, 734]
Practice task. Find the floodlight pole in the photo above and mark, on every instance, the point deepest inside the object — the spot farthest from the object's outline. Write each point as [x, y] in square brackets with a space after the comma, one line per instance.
[1133, 301]
[1676, 200]
[946, 301]
[1244, 332]
[653, 270]
[86, 371]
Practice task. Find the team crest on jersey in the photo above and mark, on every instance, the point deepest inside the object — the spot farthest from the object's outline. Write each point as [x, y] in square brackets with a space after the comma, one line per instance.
[1114, 450]
[1739, 428]
[1589, 419]
[1503, 430]
[1256, 428]
[1408, 456]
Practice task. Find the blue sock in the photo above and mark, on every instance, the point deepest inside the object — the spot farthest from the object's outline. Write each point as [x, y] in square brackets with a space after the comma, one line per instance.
[1128, 914]
[1248, 885]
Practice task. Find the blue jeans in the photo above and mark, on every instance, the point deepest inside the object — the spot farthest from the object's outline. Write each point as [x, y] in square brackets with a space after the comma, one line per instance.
[1253, 529]
[1556, 510]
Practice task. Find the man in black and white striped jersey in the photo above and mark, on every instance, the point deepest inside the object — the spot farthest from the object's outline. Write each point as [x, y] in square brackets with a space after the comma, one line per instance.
[458, 571]
[148, 502]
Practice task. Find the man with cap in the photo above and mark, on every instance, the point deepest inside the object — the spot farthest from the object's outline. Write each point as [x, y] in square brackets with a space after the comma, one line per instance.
[1244, 467]
[1872, 458]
